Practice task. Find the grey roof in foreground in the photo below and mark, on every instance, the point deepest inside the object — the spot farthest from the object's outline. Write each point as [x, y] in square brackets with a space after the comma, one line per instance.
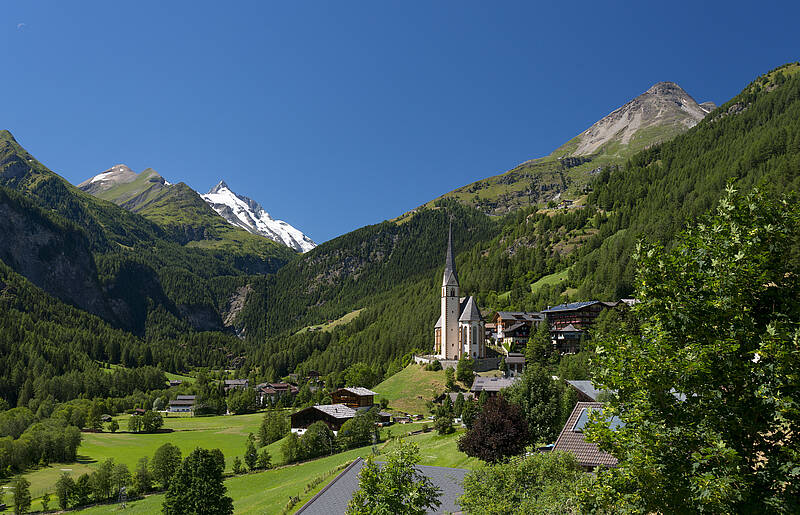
[333, 498]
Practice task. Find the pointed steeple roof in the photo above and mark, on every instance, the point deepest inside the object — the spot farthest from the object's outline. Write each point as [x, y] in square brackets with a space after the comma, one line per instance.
[470, 312]
[450, 276]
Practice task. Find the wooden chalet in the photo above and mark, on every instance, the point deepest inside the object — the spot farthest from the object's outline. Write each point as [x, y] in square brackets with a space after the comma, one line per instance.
[183, 404]
[236, 384]
[581, 315]
[354, 397]
[334, 416]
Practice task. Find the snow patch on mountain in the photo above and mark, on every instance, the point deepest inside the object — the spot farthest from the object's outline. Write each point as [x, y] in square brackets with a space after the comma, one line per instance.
[248, 214]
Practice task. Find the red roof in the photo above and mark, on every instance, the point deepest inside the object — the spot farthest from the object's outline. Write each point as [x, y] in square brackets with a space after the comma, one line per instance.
[588, 454]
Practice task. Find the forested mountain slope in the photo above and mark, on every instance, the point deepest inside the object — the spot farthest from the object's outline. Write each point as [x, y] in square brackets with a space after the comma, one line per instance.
[508, 262]
[154, 280]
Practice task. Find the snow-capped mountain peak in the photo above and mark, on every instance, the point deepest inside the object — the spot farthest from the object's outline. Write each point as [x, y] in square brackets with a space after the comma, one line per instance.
[248, 214]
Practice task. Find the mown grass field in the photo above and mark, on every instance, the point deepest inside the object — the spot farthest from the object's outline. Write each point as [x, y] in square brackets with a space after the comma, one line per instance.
[409, 389]
[227, 433]
[268, 492]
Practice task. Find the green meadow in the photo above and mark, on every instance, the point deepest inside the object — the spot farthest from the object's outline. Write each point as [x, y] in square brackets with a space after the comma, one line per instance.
[409, 389]
[269, 492]
[262, 492]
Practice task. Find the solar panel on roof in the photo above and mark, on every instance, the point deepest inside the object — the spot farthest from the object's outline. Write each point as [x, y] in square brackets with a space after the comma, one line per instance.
[614, 423]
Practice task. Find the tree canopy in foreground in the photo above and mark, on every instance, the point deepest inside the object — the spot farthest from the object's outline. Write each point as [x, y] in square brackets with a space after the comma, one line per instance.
[397, 487]
[537, 483]
[709, 388]
[197, 486]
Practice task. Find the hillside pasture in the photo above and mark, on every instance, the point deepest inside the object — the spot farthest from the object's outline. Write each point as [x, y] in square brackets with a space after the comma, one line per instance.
[409, 389]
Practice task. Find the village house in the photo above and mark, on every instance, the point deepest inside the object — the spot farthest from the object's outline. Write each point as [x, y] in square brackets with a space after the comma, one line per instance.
[570, 322]
[491, 385]
[334, 416]
[572, 439]
[182, 404]
[274, 391]
[354, 397]
[513, 328]
[235, 384]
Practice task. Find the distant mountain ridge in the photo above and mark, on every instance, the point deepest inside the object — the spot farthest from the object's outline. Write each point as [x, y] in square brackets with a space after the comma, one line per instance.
[248, 214]
[659, 114]
[149, 194]
[126, 188]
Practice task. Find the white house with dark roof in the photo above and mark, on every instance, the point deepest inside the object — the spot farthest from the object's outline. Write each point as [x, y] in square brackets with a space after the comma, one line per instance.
[460, 330]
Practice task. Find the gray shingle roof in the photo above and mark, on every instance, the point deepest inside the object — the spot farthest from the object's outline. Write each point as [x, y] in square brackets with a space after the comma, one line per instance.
[470, 312]
[492, 384]
[585, 387]
[525, 316]
[358, 390]
[336, 410]
[515, 358]
[333, 498]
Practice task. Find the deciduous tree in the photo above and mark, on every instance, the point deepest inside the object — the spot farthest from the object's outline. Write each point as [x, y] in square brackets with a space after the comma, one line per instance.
[166, 461]
[198, 487]
[537, 395]
[22, 496]
[64, 490]
[540, 483]
[707, 388]
[498, 432]
[397, 487]
[274, 426]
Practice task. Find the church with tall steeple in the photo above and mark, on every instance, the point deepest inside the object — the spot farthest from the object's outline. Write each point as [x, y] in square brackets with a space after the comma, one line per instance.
[460, 330]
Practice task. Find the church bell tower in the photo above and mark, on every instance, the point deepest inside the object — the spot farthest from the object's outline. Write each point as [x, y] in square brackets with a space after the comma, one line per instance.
[450, 304]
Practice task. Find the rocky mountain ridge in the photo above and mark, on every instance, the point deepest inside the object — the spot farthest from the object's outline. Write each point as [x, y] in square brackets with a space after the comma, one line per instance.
[659, 114]
[665, 105]
[248, 214]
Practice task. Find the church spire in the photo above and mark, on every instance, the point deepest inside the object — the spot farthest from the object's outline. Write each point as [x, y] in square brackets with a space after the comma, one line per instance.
[450, 276]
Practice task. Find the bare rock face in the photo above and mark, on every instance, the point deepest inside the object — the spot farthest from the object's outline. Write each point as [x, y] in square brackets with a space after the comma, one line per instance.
[117, 174]
[665, 104]
[56, 259]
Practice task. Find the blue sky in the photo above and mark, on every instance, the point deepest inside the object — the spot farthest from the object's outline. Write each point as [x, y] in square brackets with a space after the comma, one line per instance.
[335, 115]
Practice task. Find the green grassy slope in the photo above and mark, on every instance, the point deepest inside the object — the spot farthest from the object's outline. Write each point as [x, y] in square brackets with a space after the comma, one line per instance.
[268, 492]
[409, 389]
